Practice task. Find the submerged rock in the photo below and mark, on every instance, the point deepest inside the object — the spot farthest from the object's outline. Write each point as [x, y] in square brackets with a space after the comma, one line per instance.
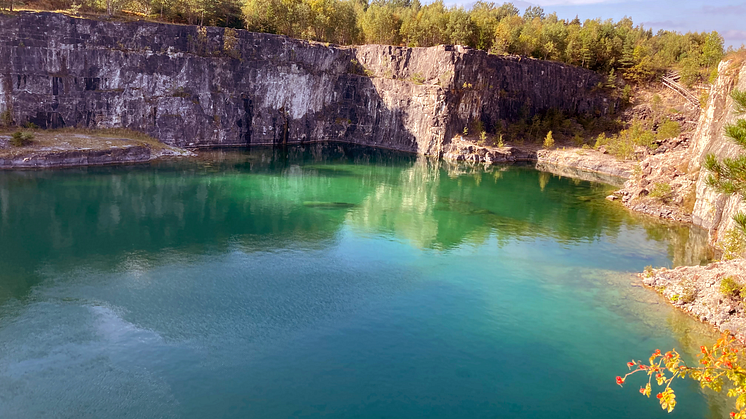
[697, 290]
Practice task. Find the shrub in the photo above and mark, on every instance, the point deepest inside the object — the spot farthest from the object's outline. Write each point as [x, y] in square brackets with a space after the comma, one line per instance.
[549, 140]
[418, 78]
[660, 191]
[482, 137]
[601, 140]
[500, 142]
[20, 139]
[729, 287]
[639, 135]
[733, 244]
[230, 43]
[626, 94]
[688, 294]
[668, 129]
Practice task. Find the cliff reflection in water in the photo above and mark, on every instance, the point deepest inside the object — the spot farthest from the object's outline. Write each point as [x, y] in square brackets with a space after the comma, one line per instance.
[268, 199]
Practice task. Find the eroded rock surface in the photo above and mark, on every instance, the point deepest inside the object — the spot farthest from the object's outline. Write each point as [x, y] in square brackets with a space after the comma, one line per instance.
[662, 187]
[205, 86]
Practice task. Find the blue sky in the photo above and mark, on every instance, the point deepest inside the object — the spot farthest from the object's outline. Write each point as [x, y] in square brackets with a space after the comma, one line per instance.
[726, 17]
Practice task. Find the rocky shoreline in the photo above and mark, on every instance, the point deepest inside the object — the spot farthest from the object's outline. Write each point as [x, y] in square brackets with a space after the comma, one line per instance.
[697, 291]
[574, 158]
[693, 289]
[60, 149]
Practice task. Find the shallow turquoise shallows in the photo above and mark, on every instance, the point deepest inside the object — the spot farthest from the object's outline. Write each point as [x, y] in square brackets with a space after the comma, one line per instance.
[330, 282]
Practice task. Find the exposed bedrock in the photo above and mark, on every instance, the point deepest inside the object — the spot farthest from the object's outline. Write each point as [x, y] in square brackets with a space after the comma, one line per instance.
[712, 210]
[197, 86]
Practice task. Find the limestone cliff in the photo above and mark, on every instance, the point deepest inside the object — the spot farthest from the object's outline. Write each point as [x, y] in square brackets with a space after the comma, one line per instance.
[714, 211]
[197, 86]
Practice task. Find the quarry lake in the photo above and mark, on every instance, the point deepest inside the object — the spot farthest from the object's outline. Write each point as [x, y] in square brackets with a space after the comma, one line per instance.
[331, 281]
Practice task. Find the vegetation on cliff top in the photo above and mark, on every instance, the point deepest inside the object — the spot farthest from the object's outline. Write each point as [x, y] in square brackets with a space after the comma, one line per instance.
[614, 48]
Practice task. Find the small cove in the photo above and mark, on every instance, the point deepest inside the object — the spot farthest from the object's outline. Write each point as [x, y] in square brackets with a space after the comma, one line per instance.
[330, 281]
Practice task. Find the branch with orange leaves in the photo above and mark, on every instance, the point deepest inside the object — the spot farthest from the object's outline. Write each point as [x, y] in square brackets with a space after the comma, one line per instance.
[718, 365]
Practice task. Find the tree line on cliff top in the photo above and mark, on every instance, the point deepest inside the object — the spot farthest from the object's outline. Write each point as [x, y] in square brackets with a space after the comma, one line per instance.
[617, 48]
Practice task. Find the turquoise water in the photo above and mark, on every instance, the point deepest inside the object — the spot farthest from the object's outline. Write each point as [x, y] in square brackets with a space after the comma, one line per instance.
[329, 281]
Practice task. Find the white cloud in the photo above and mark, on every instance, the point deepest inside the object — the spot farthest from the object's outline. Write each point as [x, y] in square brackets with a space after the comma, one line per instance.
[734, 35]
[725, 10]
[571, 2]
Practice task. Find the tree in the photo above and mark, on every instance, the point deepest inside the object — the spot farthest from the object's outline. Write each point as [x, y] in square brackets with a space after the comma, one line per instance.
[460, 29]
[485, 17]
[506, 10]
[533, 12]
[712, 50]
[381, 25]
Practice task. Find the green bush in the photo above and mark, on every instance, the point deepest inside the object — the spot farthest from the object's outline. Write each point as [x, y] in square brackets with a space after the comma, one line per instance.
[20, 139]
[668, 129]
[660, 191]
[729, 287]
[619, 146]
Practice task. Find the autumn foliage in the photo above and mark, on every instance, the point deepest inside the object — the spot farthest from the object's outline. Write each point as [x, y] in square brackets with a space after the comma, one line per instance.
[718, 367]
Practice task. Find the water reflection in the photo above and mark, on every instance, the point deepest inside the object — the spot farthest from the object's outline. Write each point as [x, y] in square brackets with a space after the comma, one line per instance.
[397, 285]
[265, 199]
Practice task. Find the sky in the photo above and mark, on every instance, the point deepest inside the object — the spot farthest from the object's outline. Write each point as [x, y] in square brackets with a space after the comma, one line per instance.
[728, 17]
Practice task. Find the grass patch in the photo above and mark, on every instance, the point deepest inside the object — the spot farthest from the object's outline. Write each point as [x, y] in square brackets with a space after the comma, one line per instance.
[81, 138]
[21, 139]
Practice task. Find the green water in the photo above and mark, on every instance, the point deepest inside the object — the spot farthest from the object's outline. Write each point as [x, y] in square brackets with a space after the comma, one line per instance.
[329, 281]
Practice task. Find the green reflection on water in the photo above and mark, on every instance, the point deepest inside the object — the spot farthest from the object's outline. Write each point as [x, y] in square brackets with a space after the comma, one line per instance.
[408, 265]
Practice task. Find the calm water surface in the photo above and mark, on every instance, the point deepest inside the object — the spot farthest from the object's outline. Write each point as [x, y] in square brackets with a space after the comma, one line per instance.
[332, 282]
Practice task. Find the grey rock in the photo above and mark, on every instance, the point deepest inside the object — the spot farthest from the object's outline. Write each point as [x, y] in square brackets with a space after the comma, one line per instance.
[181, 85]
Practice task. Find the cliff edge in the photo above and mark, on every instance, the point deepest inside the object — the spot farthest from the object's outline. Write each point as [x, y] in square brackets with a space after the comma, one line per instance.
[194, 86]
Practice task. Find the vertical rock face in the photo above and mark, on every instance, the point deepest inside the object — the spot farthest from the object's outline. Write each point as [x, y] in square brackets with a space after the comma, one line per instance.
[712, 210]
[192, 86]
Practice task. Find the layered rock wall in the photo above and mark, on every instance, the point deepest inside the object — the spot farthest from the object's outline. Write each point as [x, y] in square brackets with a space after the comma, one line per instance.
[197, 86]
[712, 210]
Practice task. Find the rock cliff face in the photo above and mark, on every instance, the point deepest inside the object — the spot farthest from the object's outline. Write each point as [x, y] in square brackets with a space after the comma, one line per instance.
[192, 86]
[712, 210]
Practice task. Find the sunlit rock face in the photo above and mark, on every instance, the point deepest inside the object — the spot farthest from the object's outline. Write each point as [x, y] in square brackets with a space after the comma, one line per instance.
[192, 86]
[712, 210]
